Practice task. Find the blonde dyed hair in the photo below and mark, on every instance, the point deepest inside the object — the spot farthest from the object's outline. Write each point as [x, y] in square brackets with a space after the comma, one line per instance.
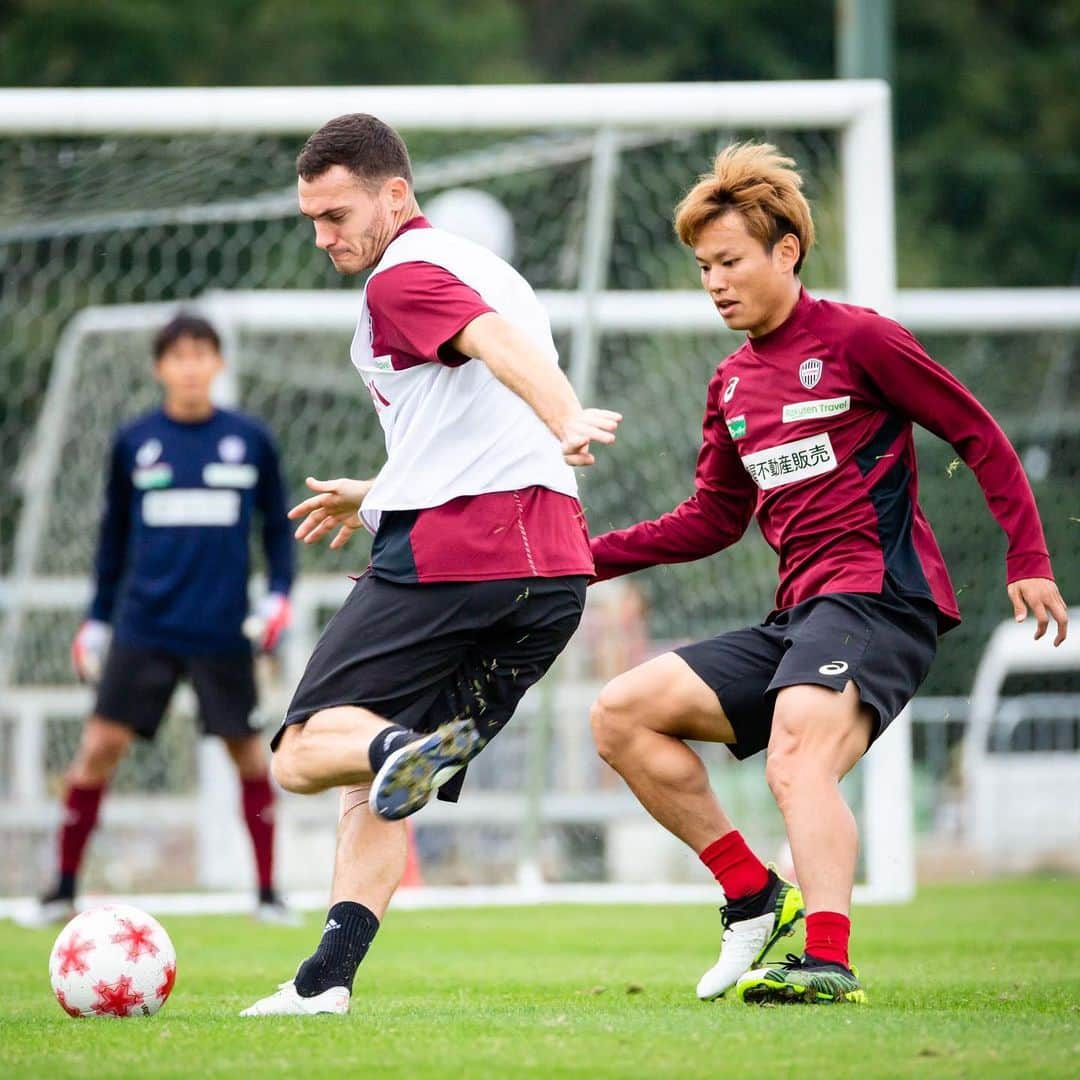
[758, 183]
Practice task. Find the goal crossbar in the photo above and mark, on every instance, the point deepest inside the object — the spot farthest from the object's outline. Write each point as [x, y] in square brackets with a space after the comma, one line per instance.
[298, 110]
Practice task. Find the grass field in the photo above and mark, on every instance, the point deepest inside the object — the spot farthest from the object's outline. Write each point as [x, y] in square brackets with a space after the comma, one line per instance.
[967, 981]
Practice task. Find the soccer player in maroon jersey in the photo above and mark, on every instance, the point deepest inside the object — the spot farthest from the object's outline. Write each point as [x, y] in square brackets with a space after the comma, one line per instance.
[808, 428]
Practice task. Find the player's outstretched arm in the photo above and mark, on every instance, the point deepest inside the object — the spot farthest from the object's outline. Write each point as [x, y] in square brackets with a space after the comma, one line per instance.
[519, 365]
[336, 505]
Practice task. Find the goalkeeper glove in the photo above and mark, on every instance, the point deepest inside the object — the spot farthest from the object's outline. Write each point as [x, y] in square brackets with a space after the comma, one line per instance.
[266, 625]
[88, 650]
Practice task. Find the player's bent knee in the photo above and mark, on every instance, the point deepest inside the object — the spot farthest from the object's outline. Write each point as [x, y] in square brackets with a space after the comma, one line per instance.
[286, 765]
[101, 750]
[284, 771]
[103, 756]
[604, 732]
[797, 763]
[612, 720]
[780, 775]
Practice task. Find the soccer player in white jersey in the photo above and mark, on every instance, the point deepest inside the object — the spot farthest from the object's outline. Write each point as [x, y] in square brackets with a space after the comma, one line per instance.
[480, 557]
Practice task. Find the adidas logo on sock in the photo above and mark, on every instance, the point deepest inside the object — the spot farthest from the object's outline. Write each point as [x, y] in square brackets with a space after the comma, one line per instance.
[331, 924]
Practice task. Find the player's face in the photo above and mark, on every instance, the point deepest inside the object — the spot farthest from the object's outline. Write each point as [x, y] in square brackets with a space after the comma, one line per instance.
[353, 224]
[750, 285]
[186, 371]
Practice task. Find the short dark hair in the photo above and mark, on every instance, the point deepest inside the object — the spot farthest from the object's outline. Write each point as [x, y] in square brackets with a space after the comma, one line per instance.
[371, 150]
[180, 326]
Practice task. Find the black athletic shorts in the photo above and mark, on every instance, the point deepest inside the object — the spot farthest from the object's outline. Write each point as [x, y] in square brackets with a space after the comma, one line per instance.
[421, 655]
[137, 684]
[883, 642]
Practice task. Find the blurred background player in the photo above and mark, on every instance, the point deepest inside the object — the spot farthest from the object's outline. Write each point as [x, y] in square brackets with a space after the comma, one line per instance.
[480, 557]
[808, 427]
[172, 571]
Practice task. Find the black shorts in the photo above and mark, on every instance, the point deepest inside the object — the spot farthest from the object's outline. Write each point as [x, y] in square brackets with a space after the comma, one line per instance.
[883, 642]
[137, 684]
[421, 655]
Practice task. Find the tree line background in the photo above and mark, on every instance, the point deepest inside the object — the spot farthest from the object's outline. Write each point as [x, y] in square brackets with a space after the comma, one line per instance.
[986, 125]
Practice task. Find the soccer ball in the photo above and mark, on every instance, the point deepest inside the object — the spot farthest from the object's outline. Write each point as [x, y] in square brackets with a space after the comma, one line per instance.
[112, 961]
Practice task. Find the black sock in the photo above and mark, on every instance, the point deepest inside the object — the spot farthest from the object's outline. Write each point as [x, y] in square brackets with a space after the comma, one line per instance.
[268, 895]
[350, 929]
[386, 742]
[65, 888]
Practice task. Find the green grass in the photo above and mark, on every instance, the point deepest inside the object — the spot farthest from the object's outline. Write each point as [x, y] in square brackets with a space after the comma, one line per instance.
[967, 981]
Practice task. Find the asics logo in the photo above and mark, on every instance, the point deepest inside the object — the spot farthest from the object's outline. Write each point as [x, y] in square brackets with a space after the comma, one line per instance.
[833, 667]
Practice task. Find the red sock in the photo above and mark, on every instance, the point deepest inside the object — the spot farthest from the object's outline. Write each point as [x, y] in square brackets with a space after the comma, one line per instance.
[258, 798]
[81, 805]
[739, 871]
[827, 934]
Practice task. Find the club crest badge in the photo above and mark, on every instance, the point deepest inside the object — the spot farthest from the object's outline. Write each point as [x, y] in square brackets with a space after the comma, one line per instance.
[810, 372]
[148, 453]
[232, 449]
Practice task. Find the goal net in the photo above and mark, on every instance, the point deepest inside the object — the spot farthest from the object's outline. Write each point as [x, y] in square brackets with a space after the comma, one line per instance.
[117, 207]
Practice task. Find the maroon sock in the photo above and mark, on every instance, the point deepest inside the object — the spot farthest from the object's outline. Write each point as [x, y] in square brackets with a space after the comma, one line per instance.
[81, 806]
[258, 798]
[827, 934]
[739, 871]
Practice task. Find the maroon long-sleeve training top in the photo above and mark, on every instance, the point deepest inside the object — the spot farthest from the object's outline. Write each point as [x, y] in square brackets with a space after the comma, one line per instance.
[810, 428]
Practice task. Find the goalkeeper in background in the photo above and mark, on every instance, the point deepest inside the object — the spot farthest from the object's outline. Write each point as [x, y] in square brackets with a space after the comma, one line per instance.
[172, 571]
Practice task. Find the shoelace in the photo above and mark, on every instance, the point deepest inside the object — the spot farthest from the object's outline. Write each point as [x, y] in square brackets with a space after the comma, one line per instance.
[800, 962]
[732, 913]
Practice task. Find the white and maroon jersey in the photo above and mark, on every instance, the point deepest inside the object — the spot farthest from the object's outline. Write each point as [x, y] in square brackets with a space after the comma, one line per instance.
[810, 428]
[474, 486]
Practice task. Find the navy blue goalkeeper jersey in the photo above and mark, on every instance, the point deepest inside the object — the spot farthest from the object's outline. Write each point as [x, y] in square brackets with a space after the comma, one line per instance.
[174, 554]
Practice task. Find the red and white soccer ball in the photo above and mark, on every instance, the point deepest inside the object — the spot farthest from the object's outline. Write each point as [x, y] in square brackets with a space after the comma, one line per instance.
[112, 961]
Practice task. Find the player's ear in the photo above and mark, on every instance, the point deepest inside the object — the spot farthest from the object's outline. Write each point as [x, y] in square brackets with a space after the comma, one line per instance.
[786, 252]
[396, 190]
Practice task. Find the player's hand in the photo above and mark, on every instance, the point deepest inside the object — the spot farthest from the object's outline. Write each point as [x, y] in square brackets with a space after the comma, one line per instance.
[587, 426]
[88, 650]
[336, 506]
[1046, 603]
[265, 626]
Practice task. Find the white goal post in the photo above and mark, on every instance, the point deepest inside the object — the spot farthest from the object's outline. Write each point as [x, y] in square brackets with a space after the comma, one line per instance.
[611, 118]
